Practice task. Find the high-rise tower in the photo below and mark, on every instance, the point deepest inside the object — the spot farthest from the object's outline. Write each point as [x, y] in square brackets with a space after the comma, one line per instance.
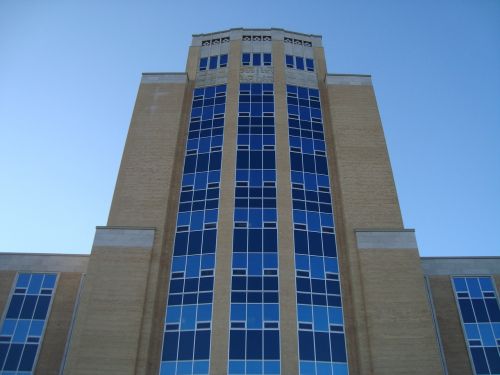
[255, 229]
[221, 245]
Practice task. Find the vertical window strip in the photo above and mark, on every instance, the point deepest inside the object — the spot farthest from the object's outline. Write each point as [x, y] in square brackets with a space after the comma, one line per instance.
[478, 307]
[187, 328]
[25, 319]
[254, 342]
[322, 348]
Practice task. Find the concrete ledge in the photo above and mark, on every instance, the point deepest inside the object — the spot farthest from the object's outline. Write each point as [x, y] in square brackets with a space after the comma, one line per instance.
[348, 79]
[386, 239]
[461, 266]
[164, 78]
[124, 237]
[32, 262]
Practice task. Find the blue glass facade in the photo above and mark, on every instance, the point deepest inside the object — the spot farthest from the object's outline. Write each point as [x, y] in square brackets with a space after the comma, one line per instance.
[477, 303]
[321, 335]
[26, 316]
[187, 329]
[254, 343]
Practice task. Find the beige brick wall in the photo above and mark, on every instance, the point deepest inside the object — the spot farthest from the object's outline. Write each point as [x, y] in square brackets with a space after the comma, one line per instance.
[365, 198]
[357, 349]
[399, 322]
[152, 332]
[364, 172]
[6, 280]
[147, 194]
[142, 188]
[106, 332]
[128, 327]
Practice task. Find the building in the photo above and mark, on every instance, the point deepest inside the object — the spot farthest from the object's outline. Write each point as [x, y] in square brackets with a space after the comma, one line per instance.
[254, 229]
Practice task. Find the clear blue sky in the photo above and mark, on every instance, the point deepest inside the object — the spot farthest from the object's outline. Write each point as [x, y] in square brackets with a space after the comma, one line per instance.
[69, 73]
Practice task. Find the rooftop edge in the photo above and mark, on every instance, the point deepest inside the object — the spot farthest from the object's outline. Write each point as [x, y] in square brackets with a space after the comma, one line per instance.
[256, 29]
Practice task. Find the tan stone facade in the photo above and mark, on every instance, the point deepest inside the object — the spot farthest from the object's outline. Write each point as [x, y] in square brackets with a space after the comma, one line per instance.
[108, 311]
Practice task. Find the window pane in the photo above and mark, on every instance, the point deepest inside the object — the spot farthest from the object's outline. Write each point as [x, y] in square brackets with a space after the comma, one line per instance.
[299, 62]
[256, 59]
[213, 62]
[267, 59]
[245, 59]
[310, 65]
[223, 60]
[203, 63]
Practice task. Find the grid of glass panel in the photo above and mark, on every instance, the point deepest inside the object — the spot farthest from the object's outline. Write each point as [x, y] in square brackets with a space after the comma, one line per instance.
[256, 59]
[254, 343]
[22, 330]
[213, 62]
[480, 314]
[299, 63]
[319, 305]
[186, 342]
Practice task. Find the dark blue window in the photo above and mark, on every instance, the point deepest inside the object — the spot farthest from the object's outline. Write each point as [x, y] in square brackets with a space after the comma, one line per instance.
[223, 61]
[15, 305]
[337, 342]
[310, 65]
[267, 59]
[478, 306]
[271, 345]
[299, 62]
[254, 335]
[256, 59]
[170, 350]
[203, 63]
[202, 349]
[319, 305]
[23, 327]
[237, 344]
[306, 346]
[322, 346]
[213, 62]
[12, 361]
[479, 361]
[245, 59]
[186, 342]
[28, 357]
[186, 345]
